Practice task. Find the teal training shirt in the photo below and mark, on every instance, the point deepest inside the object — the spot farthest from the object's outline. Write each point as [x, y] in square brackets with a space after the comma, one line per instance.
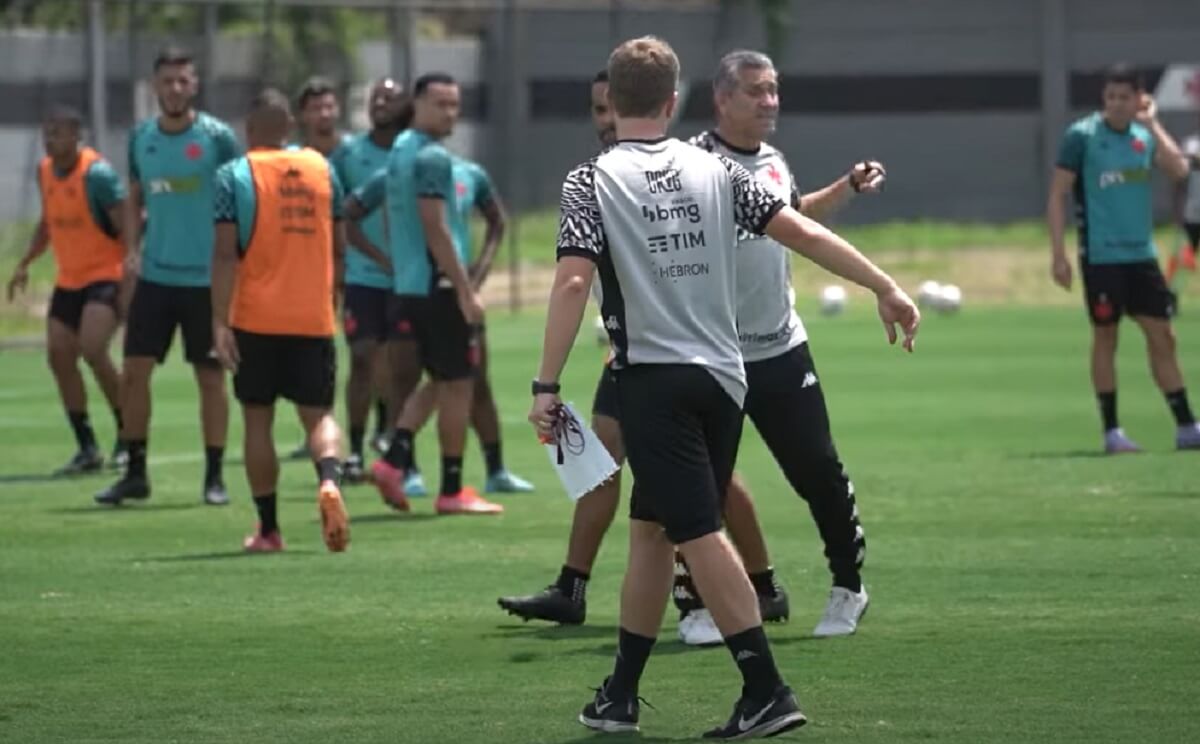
[176, 172]
[419, 167]
[1113, 198]
[356, 162]
[472, 190]
[236, 198]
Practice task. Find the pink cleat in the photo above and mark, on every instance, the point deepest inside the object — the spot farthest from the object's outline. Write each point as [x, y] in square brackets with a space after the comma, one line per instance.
[390, 482]
[335, 522]
[1115, 442]
[259, 543]
[466, 501]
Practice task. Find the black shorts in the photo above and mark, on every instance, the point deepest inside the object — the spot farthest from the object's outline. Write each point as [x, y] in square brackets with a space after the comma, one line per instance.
[447, 344]
[66, 305]
[681, 432]
[1113, 290]
[296, 368]
[607, 402]
[154, 313]
[365, 313]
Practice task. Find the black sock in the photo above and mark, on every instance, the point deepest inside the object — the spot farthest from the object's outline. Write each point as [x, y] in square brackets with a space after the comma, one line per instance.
[493, 458]
[1179, 406]
[329, 469]
[1108, 409]
[633, 651]
[357, 434]
[84, 436]
[381, 422]
[451, 475]
[213, 458]
[119, 422]
[752, 653]
[400, 453]
[137, 459]
[852, 581]
[764, 582]
[268, 517]
[572, 583]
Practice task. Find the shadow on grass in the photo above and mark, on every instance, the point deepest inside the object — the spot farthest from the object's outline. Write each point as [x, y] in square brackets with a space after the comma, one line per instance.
[675, 646]
[217, 556]
[631, 737]
[1173, 494]
[393, 517]
[1068, 455]
[543, 632]
[124, 508]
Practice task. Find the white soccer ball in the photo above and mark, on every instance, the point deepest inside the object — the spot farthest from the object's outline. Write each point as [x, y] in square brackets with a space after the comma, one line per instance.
[929, 293]
[950, 299]
[833, 299]
[601, 331]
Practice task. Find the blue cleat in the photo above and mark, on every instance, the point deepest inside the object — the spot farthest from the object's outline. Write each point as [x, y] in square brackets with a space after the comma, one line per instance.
[414, 484]
[503, 481]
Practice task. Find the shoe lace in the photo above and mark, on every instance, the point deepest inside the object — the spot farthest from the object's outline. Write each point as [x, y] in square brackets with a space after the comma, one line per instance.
[601, 691]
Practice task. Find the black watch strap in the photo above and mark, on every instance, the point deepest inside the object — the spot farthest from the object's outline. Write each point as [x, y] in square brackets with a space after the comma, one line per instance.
[546, 388]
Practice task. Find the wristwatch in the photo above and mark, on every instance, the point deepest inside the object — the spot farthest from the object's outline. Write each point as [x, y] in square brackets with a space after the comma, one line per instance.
[546, 388]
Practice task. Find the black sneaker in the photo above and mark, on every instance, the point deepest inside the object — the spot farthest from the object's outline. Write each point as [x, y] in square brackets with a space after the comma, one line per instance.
[129, 487]
[352, 470]
[215, 493]
[608, 715]
[120, 456]
[774, 609]
[759, 720]
[84, 461]
[549, 604]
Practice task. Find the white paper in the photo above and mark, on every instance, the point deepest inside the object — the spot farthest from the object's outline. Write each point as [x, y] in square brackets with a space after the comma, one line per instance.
[586, 463]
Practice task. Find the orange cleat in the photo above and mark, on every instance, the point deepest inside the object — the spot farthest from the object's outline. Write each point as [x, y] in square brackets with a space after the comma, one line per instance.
[335, 522]
[466, 501]
[259, 543]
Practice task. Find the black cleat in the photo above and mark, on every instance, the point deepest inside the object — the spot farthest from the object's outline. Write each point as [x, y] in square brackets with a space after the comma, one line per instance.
[130, 487]
[84, 461]
[120, 456]
[215, 493]
[549, 604]
[353, 471]
[759, 720]
[774, 609]
[608, 715]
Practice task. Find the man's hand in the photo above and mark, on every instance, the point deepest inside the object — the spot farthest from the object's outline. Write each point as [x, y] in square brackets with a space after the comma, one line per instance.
[868, 177]
[1060, 271]
[897, 308]
[1147, 110]
[543, 415]
[471, 305]
[18, 282]
[225, 345]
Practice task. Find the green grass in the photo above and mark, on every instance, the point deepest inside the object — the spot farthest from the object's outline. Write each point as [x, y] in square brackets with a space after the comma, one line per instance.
[1023, 589]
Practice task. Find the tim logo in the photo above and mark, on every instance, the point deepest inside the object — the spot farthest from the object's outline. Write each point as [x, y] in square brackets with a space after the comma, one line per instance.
[676, 241]
[663, 181]
[660, 213]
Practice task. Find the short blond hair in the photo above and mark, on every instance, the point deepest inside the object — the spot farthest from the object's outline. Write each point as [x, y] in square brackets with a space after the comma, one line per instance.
[642, 76]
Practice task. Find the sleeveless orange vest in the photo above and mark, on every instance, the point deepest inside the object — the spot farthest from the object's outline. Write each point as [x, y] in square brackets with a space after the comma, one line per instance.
[83, 251]
[285, 278]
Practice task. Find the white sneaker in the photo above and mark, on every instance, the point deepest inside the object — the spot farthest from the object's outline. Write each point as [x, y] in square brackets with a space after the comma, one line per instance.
[843, 612]
[697, 628]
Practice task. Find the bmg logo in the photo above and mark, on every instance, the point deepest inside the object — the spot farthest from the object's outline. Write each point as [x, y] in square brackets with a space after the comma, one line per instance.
[660, 213]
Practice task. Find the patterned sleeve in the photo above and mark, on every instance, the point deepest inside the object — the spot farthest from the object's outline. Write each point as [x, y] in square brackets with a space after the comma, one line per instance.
[434, 173]
[372, 192]
[224, 200]
[228, 147]
[337, 193]
[1070, 150]
[104, 185]
[753, 205]
[132, 154]
[580, 229]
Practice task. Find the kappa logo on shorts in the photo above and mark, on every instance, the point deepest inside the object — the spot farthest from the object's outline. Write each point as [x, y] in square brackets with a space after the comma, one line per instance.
[810, 379]
[1102, 308]
[349, 322]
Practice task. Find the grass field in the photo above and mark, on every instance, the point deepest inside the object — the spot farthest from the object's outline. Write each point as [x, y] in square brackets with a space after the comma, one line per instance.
[1023, 589]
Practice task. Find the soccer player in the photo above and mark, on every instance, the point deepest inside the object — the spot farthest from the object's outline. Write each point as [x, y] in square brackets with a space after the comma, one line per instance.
[277, 262]
[669, 300]
[565, 601]
[368, 268]
[434, 314]
[1105, 161]
[791, 418]
[173, 159]
[82, 203]
[473, 190]
[1189, 200]
[320, 112]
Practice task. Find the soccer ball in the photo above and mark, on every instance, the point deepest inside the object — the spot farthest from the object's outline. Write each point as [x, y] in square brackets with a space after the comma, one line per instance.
[929, 293]
[950, 299]
[833, 299]
[601, 332]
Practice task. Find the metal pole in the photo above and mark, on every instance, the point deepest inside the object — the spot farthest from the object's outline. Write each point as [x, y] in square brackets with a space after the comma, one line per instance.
[515, 98]
[97, 75]
[402, 37]
[131, 40]
[1055, 74]
[208, 87]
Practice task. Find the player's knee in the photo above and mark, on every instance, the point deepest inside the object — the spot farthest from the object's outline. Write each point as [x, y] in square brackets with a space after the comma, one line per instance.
[60, 357]
[95, 353]
[1162, 339]
[1105, 336]
[211, 381]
